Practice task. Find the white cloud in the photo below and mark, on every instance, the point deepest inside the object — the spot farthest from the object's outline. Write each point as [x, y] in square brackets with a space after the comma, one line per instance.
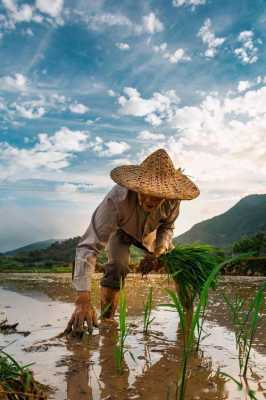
[208, 37]
[189, 3]
[153, 119]
[120, 161]
[67, 187]
[111, 148]
[64, 140]
[22, 14]
[99, 21]
[151, 24]
[30, 112]
[248, 52]
[220, 143]
[111, 93]
[243, 86]
[50, 152]
[150, 136]
[17, 82]
[177, 56]
[51, 7]
[78, 108]
[159, 107]
[122, 46]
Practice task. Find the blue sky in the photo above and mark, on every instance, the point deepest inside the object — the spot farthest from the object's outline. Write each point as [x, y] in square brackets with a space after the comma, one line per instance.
[88, 85]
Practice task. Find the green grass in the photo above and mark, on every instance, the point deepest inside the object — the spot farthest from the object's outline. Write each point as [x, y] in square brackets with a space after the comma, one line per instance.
[31, 269]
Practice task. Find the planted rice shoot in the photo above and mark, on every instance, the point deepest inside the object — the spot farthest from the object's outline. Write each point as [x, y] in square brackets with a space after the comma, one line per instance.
[147, 321]
[120, 350]
[194, 269]
[245, 320]
[17, 381]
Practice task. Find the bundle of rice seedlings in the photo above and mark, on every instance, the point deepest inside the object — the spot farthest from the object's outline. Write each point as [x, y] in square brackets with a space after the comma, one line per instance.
[190, 266]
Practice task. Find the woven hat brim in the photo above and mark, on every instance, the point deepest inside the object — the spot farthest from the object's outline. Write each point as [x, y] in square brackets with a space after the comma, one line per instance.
[179, 186]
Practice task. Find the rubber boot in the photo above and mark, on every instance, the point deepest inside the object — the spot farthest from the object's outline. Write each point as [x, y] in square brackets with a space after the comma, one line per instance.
[109, 302]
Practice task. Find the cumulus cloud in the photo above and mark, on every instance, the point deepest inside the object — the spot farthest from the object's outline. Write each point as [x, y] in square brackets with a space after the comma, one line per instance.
[218, 147]
[122, 46]
[110, 148]
[120, 161]
[159, 107]
[50, 152]
[68, 187]
[21, 14]
[28, 13]
[243, 86]
[188, 3]
[208, 37]
[111, 93]
[175, 57]
[220, 143]
[17, 82]
[152, 24]
[78, 108]
[29, 112]
[248, 52]
[150, 136]
[51, 7]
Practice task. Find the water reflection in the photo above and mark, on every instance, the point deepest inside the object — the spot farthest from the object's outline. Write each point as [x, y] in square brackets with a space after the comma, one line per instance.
[87, 370]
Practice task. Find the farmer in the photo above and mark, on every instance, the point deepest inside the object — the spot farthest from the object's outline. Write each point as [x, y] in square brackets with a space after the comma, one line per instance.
[140, 209]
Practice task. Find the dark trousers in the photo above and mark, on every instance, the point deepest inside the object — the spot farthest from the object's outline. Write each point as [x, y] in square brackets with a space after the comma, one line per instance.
[116, 269]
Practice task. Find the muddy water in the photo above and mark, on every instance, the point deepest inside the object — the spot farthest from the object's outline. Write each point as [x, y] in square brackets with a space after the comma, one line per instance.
[86, 370]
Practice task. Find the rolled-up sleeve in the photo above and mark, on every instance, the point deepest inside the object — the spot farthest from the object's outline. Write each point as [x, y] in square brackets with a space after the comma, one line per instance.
[103, 223]
[166, 229]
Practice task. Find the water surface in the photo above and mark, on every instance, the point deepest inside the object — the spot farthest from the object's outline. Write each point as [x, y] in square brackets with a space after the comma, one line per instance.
[42, 305]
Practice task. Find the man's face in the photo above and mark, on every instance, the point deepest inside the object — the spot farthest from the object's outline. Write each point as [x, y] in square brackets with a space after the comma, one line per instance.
[149, 203]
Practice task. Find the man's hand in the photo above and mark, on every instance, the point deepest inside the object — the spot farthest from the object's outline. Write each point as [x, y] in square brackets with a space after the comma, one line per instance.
[84, 316]
[159, 251]
[149, 263]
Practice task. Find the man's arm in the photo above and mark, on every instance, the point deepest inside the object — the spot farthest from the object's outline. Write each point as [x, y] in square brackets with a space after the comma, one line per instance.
[166, 230]
[103, 224]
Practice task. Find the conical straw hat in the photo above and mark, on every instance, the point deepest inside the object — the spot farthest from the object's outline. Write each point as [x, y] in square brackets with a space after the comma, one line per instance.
[156, 176]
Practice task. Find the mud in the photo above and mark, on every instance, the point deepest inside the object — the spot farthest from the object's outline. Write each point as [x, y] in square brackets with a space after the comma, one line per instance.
[86, 370]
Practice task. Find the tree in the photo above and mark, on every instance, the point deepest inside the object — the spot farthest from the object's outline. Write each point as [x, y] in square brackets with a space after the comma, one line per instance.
[255, 244]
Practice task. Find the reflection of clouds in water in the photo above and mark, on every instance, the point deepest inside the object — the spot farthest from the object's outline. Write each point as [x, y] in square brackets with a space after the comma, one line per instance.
[90, 369]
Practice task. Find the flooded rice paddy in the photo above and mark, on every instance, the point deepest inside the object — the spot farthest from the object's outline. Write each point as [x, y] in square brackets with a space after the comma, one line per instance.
[75, 370]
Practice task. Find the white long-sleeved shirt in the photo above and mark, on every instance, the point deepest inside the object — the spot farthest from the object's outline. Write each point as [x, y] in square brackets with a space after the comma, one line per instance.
[120, 209]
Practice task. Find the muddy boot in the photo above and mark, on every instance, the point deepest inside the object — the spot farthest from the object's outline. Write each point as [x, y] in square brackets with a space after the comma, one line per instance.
[109, 302]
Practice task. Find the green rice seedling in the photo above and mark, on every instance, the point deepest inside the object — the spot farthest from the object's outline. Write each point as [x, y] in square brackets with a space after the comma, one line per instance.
[17, 380]
[120, 350]
[245, 320]
[189, 326]
[147, 321]
[241, 386]
[190, 266]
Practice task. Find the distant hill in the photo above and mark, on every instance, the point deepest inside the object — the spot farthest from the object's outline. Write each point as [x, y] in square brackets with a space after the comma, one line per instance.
[247, 217]
[30, 247]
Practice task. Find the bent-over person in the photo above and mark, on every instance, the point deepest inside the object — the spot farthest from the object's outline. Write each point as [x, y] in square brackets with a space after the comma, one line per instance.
[141, 210]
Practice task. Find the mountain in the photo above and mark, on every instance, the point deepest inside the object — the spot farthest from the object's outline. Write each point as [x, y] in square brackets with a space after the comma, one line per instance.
[31, 247]
[247, 217]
